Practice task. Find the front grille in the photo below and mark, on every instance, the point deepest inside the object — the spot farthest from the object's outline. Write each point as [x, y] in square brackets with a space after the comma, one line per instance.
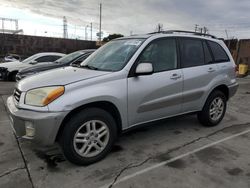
[17, 95]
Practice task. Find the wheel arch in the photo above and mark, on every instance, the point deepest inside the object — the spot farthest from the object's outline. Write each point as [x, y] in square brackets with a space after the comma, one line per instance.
[223, 88]
[105, 105]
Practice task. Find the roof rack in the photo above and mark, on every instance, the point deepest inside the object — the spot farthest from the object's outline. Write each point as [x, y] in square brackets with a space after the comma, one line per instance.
[182, 31]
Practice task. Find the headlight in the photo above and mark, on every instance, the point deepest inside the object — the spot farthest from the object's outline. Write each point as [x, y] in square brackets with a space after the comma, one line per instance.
[43, 96]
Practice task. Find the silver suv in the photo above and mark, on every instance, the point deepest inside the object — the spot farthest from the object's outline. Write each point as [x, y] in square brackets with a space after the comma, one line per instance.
[129, 81]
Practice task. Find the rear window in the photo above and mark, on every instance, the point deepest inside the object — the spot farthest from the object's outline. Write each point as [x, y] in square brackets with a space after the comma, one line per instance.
[49, 58]
[219, 53]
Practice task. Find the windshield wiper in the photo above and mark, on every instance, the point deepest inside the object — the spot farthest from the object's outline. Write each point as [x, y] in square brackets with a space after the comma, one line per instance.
[90, 67]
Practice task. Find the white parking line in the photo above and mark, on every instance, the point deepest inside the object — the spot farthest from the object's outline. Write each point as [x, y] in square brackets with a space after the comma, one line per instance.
[176, 158]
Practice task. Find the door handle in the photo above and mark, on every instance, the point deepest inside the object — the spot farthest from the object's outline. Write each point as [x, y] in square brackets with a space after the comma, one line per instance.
[175, 76]
[210, 69]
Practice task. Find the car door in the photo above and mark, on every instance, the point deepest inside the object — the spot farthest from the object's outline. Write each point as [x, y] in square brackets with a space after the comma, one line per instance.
[158, 95]
[221, 59]
[198, 71]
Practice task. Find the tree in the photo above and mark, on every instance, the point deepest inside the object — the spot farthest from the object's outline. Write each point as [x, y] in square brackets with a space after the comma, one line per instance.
[111, 37]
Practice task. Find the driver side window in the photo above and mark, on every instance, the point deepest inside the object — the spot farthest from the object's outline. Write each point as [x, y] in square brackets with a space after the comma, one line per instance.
[162, 54]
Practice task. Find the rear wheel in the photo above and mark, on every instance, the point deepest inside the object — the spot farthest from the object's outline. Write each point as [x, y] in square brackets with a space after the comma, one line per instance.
[88, 136]
[213, 110]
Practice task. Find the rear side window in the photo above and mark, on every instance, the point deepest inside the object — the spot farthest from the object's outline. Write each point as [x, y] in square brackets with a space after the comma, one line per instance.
[207, 54]
[47, 58]
[192, 53]
[219, 53]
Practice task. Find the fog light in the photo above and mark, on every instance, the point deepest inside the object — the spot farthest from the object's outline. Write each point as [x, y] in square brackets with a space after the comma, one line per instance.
[30, 130]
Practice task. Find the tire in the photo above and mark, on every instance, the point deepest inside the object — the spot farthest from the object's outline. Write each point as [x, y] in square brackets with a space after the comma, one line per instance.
[210, 120]
[77, 138]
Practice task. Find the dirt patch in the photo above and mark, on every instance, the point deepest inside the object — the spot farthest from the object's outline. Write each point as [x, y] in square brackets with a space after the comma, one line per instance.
[231, 152]
[52, 160]
[162, 157]
[210, 155]
[179, 164]
[234, 171]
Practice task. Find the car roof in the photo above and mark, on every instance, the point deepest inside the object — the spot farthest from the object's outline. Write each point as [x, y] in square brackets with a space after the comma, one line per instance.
[173, 33]
[86, 50]
[49, 53]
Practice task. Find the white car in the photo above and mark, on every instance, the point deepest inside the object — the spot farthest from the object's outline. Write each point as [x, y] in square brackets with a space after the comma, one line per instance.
[11, 58]
[9, 70]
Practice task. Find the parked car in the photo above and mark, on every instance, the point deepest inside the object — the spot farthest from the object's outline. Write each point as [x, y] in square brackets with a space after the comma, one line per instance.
[127, 82]
[73, 59]
[9, 70]
[11, 58]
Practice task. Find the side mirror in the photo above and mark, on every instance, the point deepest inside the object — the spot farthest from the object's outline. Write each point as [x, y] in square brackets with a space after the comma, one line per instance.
[76, 63]
[144, 69]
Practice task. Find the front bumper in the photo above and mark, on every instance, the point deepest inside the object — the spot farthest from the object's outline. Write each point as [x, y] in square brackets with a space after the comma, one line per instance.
[46, 124]
[233, 89]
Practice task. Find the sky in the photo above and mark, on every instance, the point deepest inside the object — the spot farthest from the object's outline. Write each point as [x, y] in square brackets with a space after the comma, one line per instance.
[223, 18]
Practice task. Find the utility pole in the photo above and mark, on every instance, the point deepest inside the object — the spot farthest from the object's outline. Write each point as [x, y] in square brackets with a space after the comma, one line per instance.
[205, 30]
[86, 33]
[196, 27]
[91, 29]
[65, 28]
[3, 29]
[100, 27]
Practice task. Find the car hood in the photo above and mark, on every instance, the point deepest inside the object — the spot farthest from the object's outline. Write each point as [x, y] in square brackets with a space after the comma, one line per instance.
[15, 65]
[39, 67]
[60, 76]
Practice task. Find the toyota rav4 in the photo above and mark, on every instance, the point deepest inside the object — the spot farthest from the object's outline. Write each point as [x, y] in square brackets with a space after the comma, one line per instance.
[129, 81]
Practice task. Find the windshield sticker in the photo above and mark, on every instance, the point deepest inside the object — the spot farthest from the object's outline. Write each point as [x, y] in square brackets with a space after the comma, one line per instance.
[133, 42]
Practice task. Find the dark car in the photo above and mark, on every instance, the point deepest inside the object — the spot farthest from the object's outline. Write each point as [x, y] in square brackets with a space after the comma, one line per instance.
[73, 59]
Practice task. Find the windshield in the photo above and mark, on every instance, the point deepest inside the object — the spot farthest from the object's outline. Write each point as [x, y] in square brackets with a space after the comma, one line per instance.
[113, 56]
[68, 58]
[30, 59]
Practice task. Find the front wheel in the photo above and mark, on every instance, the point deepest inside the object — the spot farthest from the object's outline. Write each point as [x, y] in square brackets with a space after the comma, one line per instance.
[213, 110]
[88, 136]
